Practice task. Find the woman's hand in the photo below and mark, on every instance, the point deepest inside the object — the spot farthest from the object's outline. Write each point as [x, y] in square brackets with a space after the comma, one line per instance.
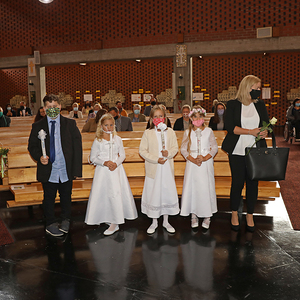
[161, 160]
[263, 134]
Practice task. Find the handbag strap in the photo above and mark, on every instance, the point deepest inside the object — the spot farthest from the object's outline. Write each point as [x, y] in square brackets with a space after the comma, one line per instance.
[273, 141]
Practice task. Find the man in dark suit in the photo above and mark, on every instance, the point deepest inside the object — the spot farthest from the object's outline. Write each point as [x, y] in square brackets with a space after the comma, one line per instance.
[122, 123]
[148, 108]
[23, 111]
[61, 164]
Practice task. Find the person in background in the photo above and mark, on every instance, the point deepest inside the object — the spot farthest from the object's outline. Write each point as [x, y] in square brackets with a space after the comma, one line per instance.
[183, 122]
[217, 121]
[87, 107]
[4, 120]
[40, 114]
[93, 112]
[75, 113]
[122, 123]
[62, 164]
[243, 121]
[293, 115]
[122, 111]
[214, 105]
[136, 115]
[91, 125]
[148, 108]
[9, 112]
[23, 111]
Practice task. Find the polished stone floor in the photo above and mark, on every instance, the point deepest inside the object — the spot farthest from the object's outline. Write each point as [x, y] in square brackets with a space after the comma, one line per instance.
[217, 264]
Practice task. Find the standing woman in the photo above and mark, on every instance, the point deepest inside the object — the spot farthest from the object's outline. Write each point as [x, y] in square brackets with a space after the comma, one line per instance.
[244, 117]
[216, 122]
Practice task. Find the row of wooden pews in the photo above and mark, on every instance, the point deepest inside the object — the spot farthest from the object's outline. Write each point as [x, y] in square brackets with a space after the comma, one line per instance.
[27, 191]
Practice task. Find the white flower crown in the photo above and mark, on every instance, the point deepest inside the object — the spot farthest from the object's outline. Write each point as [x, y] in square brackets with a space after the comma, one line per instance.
[197, 110]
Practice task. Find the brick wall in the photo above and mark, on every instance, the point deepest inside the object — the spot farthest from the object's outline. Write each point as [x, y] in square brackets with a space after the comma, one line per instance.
[66, 25]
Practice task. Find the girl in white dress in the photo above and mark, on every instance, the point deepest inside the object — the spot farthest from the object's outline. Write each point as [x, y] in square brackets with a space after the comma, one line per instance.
[111, 199]
[199, 146]
[158, 147]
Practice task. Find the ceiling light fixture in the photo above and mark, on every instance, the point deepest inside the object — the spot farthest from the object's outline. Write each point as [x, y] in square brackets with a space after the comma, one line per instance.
[82, 64]
[138, 60]
[46, 1]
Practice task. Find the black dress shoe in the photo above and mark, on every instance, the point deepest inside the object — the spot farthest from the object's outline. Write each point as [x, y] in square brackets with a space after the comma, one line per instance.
[235, 227]
[250, 228]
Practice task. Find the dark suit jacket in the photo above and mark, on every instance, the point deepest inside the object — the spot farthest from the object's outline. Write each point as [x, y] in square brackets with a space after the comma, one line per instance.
[214, 125]
[178, 125]
[233, 118]
[126, 124]
[147, 110]
[27, 110]
[71, 145]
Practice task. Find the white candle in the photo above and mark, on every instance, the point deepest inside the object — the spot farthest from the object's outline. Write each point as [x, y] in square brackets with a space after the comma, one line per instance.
[111, 147]
[42, 136]
[198, 134]
[163, 140]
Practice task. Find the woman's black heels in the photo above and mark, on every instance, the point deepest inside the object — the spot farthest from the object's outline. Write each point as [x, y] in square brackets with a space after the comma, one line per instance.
[249, 228]
[235, 227]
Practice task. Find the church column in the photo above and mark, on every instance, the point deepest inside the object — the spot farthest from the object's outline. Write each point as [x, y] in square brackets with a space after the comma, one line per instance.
[182, 78]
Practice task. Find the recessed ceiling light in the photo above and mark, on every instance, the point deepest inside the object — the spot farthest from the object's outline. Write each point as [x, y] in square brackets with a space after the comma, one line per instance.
[46, 1]
[83, 64]
[138, 60]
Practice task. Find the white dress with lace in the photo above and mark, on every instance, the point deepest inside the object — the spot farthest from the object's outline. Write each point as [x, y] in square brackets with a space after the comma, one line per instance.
[198, 192]
[111, 199]
[160, 194]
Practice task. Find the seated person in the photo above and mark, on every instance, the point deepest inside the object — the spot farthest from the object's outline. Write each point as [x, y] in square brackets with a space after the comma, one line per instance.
[93, 112]
[87, 107]
[183, 122]
[122, 111]
[122, 123]
[217, 121]
[91, 125]
[293, 116]
[168, 120]
[4, 120]
[9, 112]
[75, 113]
[149, 107]
[23, 111]
[214, 105]
[40, 114]
[136, 115]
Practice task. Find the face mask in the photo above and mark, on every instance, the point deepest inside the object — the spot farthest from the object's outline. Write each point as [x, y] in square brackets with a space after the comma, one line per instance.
[75, 108]
[220, 112]
[136, 111]
[116, 117]
[52, 112]
[185, 115]
[108, 132]
[95, 111]
[9, 108]
[22, 107]
[156, 121]
[1, 114]
[297, 104]
[198, 123]
[255, 94]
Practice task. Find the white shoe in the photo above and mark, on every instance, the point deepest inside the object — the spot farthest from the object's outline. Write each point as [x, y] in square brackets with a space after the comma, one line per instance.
[194, 222]
[151, 229]
[110, 232]
[169, 228]
[206, 223]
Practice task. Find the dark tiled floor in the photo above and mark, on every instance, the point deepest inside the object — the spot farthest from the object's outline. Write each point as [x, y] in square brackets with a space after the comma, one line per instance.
[219, 264]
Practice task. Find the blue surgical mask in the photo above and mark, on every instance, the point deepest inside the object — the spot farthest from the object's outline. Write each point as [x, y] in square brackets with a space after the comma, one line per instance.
[95, 111]
[297, 104]
[1, 114]
[75, 108]
[136, 111]
[9, 108]
[220, 112]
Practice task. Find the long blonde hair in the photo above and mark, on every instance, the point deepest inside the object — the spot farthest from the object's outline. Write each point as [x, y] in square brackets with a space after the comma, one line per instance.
[243, 93]
[153, 110]
[99, 131]
[197, 109]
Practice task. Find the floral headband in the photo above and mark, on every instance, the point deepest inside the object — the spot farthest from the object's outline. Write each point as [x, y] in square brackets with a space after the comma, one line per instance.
[197, 110]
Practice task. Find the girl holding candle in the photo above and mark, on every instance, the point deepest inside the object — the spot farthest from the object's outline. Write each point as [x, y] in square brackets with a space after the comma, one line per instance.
[199, 146]
[111, 199]
[158, 147]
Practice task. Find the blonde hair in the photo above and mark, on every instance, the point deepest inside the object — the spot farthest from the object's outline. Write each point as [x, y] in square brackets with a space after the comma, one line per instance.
[243, 93]
[193, 114]
[153, 110]
[99, 131]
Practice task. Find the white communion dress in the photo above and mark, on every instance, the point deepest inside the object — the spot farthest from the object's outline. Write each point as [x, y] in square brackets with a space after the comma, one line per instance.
[111, 199]
[198, 192]
[160, 193]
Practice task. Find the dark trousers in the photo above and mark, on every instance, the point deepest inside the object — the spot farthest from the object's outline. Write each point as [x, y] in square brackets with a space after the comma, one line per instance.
[239, 176]
[50, 191]
[297, 127]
